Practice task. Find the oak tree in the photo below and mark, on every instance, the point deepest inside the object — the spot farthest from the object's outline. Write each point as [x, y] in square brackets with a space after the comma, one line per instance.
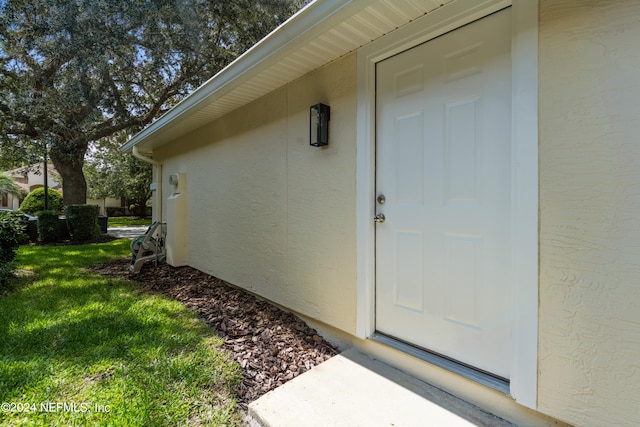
[73, 72]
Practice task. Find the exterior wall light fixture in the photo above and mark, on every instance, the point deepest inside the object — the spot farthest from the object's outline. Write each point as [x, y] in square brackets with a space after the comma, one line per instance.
[319, 125]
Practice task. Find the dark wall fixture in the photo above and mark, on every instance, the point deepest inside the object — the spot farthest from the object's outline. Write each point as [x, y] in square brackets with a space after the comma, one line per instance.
[319, 116]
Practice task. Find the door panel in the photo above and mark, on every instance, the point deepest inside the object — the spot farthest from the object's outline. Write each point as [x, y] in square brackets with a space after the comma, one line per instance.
[443, 163]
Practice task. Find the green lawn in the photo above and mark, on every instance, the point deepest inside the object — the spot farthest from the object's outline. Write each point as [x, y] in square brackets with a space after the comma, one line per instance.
[77, 348]
[119, 221]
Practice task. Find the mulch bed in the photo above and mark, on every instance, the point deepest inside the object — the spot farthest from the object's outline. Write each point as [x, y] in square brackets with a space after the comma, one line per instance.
[271, 345]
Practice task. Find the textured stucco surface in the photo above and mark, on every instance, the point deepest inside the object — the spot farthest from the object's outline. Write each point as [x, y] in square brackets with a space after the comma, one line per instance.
[271, 214]
[589, 112]
[267, 211]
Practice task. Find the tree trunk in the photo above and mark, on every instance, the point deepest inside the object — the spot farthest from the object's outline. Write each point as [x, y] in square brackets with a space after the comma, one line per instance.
[74, 186]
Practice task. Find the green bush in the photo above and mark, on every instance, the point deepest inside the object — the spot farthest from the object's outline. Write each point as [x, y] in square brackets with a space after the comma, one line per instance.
[83, 222]
[115, 211]
[11, 235]
[34, 202]
[48, 226]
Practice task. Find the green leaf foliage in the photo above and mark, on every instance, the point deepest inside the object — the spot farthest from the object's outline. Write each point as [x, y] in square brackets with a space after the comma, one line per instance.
[11, 235]
[34, 202]
[83, 222]
[75, 72]
[111, 173]
[8, 185]
[48, 226]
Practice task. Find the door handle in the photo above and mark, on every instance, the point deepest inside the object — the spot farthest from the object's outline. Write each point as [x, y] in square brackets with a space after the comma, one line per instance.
[379, 218]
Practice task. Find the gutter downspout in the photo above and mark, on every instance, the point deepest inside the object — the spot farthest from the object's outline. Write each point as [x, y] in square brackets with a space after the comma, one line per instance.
[136, 153]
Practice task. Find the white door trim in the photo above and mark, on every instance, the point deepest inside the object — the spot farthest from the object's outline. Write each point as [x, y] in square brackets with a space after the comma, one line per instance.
[523, 386]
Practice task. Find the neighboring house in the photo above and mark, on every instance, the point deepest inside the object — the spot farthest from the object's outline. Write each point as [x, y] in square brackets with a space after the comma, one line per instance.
[498, 139]
[28, 179]
[9, 201]
[31, 177]
[109, 202]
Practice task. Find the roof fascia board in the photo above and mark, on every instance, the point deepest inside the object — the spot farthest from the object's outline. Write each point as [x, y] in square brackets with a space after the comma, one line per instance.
[297, 30]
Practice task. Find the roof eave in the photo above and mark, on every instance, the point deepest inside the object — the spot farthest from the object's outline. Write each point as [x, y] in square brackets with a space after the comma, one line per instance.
[298, 29]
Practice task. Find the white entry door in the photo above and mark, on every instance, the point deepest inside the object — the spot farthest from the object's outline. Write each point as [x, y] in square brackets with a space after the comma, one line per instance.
[443, 184]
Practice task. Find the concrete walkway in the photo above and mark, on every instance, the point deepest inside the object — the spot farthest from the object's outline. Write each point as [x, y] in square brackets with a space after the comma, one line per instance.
[352, 389]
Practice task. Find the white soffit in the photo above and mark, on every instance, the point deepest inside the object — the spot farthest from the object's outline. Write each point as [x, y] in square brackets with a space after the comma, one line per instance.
[318, 34]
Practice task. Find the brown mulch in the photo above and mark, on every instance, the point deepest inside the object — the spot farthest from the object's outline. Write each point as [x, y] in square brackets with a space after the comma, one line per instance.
[271, 345]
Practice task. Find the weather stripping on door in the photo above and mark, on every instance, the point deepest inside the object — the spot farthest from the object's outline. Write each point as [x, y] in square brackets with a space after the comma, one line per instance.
[497, 383]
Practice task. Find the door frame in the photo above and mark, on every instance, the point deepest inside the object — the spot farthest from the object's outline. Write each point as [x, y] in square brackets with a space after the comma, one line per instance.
[524, 170]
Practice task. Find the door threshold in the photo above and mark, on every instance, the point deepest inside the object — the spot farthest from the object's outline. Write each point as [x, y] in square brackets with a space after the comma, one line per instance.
[485, 378]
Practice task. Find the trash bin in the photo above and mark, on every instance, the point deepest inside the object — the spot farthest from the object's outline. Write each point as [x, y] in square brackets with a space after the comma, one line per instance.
[63, 228]
[32, 229]
[102, 222]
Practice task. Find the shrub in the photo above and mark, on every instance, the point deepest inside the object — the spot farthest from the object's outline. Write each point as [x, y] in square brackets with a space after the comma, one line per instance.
[83, 222]
[11, 235]
[48, 226]
[34, 201]
[115, 211]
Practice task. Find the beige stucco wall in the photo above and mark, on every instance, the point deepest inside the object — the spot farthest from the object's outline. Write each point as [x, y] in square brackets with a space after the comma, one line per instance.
[13, 202]
[270, 213]
[589, 106]
[103, 204]
[36, 180]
